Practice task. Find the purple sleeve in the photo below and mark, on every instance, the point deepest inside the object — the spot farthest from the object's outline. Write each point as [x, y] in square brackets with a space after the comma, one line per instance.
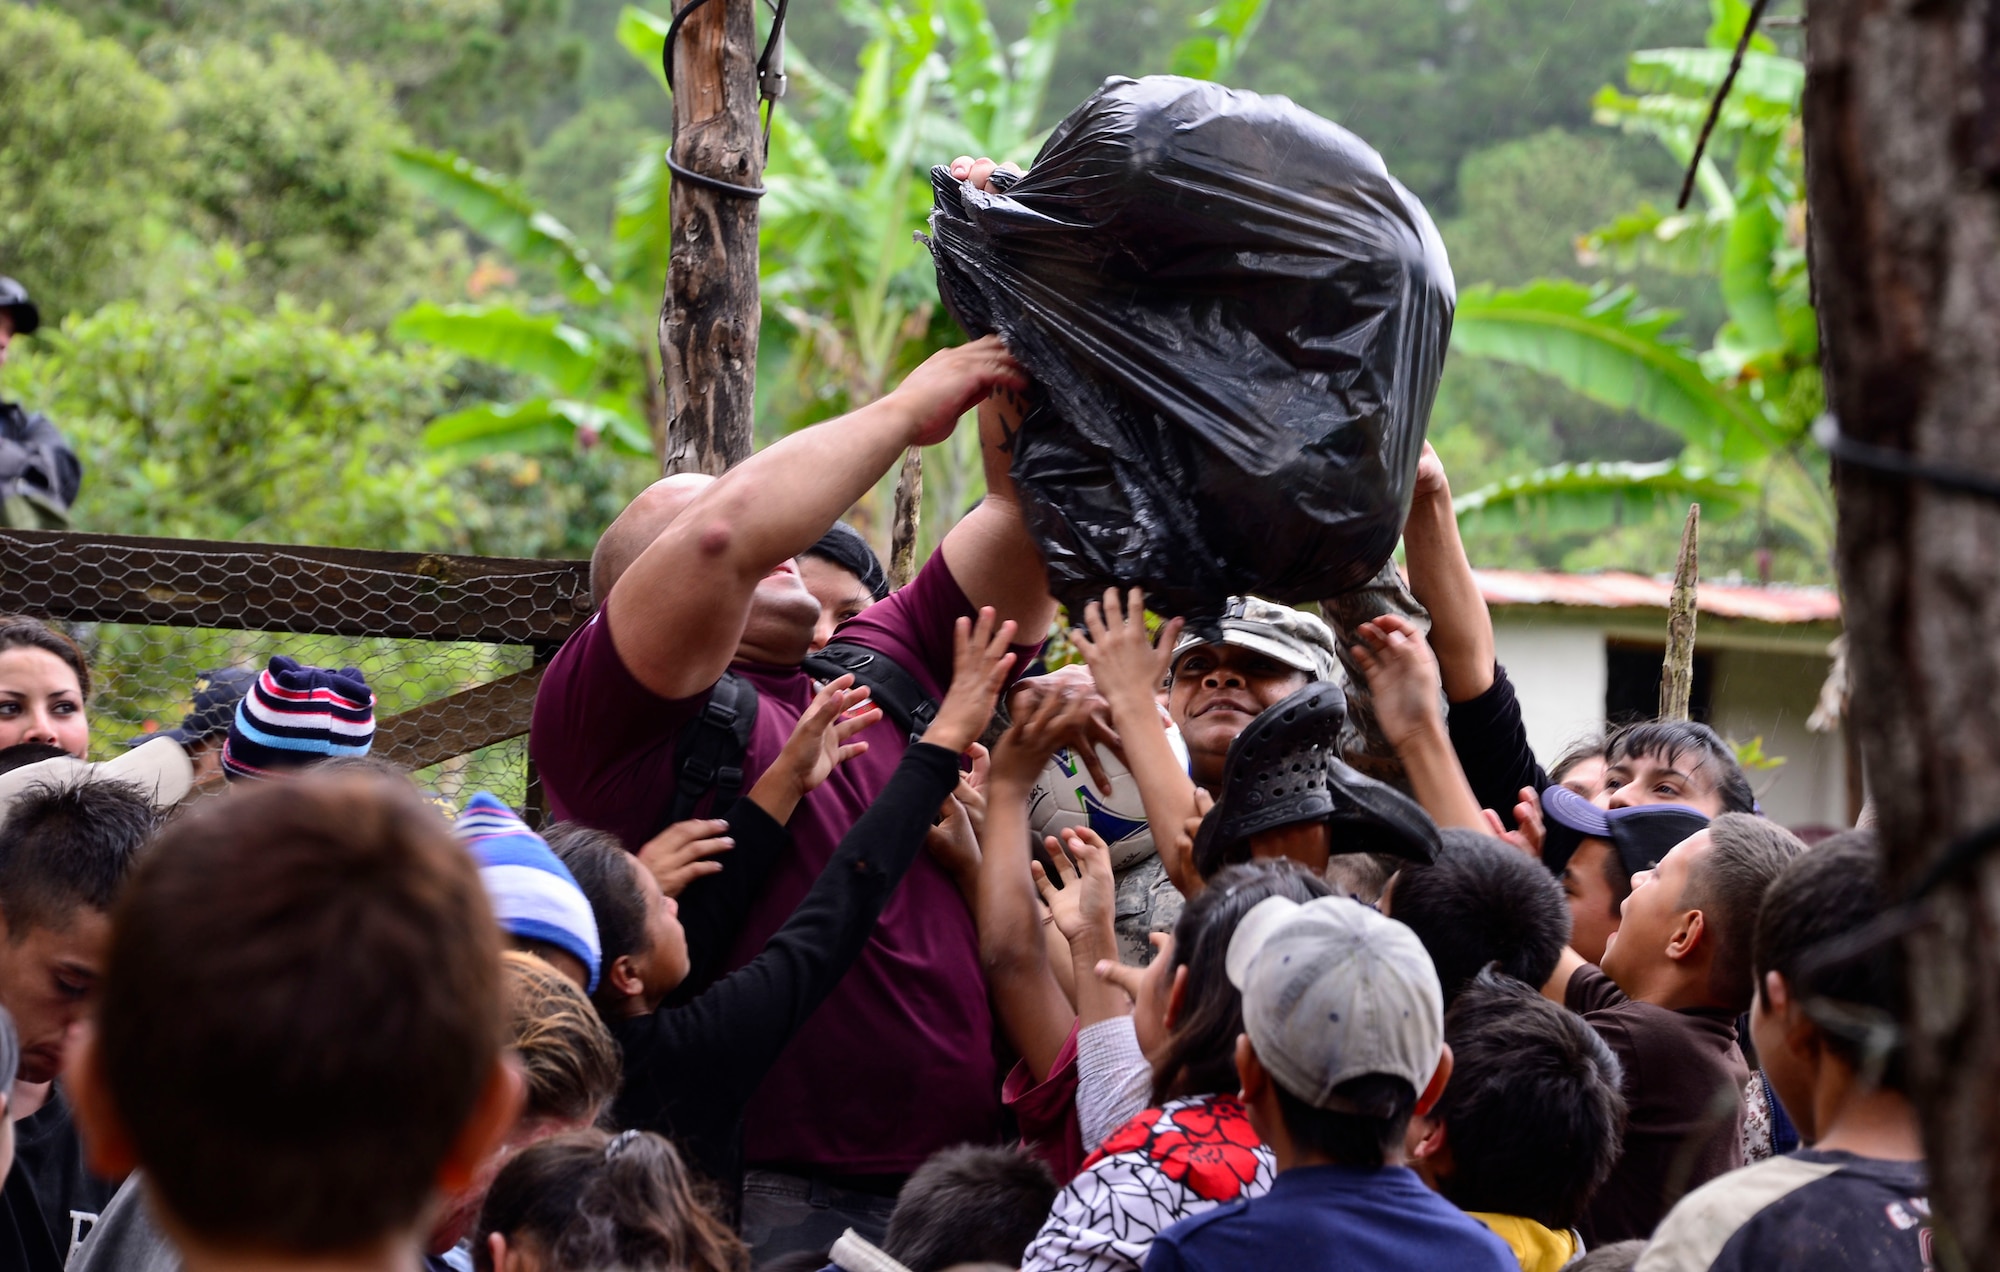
[914, 626]
[602, 742]
[1046, 1111]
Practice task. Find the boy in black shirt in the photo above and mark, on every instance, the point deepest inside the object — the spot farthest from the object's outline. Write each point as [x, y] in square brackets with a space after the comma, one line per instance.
[1828, 999]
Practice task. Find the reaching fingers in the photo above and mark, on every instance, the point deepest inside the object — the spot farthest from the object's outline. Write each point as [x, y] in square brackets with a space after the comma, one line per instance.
[1170, 636]
[685, 839]
[854, 722]
[982, 763]
[1125, 978]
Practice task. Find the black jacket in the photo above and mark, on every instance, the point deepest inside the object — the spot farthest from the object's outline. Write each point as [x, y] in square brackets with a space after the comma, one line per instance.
[691, 1070]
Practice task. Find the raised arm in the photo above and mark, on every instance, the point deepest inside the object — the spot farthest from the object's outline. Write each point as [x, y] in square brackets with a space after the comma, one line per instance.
[679, 612]
[990, 551]
[1128, 668]
[1013, 945]
[1441, 579]
[1403, 678]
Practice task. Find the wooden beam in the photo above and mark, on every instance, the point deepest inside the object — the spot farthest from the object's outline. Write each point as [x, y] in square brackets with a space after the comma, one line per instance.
[281, 588]
[496, 711]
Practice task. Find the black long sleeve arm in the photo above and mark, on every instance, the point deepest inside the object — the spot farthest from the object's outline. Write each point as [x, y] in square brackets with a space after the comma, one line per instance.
[690, 1070]
[1492, 746]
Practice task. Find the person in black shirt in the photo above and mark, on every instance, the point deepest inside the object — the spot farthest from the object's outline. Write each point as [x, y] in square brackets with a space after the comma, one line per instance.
[39, 474]
[1828, 999]
[690, 1070]
[65, 850]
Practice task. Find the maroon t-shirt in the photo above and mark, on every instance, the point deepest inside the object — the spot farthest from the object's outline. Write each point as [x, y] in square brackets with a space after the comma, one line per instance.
[898, 1063]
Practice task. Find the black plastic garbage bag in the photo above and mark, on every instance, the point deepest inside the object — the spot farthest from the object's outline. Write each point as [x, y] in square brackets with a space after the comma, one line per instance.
[1236, 320]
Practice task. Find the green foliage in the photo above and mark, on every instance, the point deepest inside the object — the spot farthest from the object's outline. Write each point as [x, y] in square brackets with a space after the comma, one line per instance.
[85, 157]
[499, 212]
[1602, 344]
[288, 149]
[1743, 406]
[1570, 497]
[200, 418]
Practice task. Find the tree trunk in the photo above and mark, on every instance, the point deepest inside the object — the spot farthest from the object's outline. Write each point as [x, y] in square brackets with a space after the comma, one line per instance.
[1677, 669]
[1902, 112]
[909, 512]
[708, 325]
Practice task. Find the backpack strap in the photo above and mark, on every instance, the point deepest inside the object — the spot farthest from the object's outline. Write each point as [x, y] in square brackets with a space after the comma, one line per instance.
[712, 746]
[895, 690]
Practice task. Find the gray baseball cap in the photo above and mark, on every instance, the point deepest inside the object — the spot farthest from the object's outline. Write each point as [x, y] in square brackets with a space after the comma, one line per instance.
[1334, 991]
[1295, 638]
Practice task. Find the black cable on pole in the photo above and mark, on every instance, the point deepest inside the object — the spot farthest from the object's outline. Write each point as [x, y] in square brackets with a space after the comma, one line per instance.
[1714, 107]
[770, 87]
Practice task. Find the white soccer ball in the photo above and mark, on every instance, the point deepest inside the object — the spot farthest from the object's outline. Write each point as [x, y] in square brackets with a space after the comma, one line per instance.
[1064, 795]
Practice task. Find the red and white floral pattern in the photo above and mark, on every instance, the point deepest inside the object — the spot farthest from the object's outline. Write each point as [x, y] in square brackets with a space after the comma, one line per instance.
[1180, 1159]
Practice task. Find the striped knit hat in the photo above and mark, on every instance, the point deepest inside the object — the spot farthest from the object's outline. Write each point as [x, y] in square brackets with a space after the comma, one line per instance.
[295, 716]
[534, 895]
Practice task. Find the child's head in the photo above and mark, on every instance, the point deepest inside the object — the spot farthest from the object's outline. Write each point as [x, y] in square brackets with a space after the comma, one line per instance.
[1188, 1014]
[1482, 902]
[1343, 1031]
[1580, 767]
[970, 1204]
[296, 716]
[639, 932]
[540, 908]
[1532, 1120]
[570, 1065]
[1596, 851]
[586, 1200]
[1675, 762]
[65, 851]
[301, 1031]
[1688, 925]
[1828, 994]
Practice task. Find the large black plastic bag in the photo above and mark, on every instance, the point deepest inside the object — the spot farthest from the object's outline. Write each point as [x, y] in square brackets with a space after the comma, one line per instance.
[1236, 320]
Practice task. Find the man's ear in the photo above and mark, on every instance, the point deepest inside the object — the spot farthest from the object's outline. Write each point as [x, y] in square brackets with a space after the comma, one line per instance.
[1434, 1089]
[107, 1146]
[625, 979]
[1432, 1146]
[1176, 996]
[1801, 1035]
[493, 1115]
[1687, 938]
[1249, 1071]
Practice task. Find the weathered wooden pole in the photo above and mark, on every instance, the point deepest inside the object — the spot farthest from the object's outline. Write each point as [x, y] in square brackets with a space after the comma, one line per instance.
[908, 517]
[1677, 672]
[708, 324]
[1902, 138]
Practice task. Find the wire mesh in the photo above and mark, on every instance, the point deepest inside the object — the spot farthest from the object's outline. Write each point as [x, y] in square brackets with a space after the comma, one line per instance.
[449, 645]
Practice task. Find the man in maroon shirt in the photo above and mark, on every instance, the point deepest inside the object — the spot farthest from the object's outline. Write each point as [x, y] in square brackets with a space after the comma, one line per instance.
[697, 578]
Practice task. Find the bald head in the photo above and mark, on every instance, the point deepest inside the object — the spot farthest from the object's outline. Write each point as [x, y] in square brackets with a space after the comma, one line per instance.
[635, 528]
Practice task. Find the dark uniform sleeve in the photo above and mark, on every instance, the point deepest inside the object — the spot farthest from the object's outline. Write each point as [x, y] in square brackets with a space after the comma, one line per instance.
[1492, 746]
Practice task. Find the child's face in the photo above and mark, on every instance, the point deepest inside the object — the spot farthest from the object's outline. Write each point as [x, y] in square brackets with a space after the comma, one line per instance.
[665, 962]
[47, 977]
[1773, 1027]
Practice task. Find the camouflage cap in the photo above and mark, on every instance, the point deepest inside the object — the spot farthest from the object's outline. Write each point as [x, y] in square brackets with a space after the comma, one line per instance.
[1295, 638]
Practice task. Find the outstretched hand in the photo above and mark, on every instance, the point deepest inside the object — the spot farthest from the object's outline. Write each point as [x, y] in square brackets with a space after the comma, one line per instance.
[1402, 678]
[1528, 817]
[981, 660]
[1043, 724]
[1082, 898]
[978, 173]
[820, 741]
[679, 855]
[951, 382]
[1127, 665]
[1087, 717]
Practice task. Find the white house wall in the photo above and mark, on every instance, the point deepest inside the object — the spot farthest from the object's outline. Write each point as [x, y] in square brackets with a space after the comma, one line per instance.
[1558, 673]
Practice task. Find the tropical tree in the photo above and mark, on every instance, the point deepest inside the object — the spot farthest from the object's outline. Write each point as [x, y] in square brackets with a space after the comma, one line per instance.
[1743, 408]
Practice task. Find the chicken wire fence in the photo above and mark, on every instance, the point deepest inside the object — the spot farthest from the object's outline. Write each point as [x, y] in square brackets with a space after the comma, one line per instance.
[451, 646]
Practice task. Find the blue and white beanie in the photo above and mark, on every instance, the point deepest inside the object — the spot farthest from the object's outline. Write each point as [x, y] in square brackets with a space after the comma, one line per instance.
[534, 895]
[295, 716]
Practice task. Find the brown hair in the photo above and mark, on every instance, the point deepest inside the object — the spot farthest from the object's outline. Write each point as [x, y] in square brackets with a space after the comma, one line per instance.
[301, 1007]
[1200, 1053]
[18, 631]
[587, 1200]
[569, 1057]
[1727, 884]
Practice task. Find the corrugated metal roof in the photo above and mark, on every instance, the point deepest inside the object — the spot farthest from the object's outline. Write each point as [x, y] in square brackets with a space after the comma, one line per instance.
[1612, 590]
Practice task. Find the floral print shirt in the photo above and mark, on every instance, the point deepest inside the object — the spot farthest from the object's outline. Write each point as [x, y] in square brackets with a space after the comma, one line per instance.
[1170, 1162]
